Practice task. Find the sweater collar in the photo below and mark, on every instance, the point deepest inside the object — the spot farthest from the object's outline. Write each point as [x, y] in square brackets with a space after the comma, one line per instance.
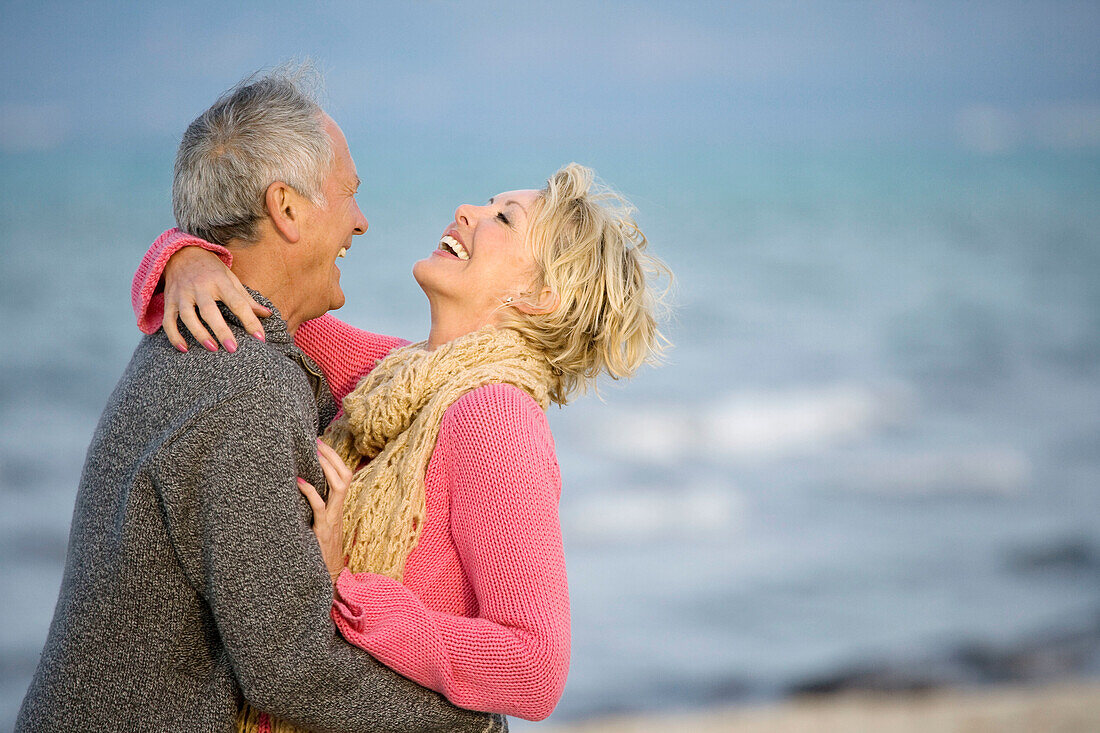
[277, 335]
[275, 327]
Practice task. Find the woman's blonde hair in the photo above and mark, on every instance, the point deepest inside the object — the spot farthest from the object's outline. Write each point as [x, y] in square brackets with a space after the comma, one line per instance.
[591, 254]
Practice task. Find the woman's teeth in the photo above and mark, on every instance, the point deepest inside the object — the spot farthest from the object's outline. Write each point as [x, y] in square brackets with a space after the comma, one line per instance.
[343, 252]
[447, 243]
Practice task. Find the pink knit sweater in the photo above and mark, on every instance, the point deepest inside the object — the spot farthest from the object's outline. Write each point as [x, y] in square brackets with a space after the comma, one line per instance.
[483, 613]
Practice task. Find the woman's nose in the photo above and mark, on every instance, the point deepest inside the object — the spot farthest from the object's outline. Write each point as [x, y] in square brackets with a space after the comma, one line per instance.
[465, 214]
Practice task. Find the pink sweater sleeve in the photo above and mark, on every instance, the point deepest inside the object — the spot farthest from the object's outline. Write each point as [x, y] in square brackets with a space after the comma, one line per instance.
[504, 487]
[345, 353]
[148, 303]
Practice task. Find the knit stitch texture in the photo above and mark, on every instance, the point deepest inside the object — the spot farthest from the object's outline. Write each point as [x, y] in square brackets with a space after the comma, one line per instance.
[392, 420]
[482, 612]
[192, 577]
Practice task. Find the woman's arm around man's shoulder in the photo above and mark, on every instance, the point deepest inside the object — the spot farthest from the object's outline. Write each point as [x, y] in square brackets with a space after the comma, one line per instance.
[343, 352]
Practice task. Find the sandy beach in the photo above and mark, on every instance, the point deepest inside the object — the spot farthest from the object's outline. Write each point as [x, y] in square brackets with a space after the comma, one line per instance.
[1066, 707]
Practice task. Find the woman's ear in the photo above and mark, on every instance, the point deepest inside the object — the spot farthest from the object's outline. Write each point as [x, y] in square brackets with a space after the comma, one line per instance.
[538, 304]
[284, 206]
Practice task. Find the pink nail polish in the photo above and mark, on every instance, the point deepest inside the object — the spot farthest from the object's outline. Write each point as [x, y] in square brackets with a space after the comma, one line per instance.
[182, 348]
[210, 345]
[230, 345]
[260, 336]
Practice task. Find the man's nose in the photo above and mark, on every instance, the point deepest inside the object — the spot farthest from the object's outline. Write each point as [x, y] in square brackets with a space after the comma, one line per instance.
[360, 221]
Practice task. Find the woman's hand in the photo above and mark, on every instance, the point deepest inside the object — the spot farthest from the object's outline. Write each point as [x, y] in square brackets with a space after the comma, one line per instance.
[328, 519]
[195, 280]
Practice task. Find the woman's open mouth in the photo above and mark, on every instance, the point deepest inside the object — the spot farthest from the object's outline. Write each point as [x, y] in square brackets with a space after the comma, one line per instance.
[449, 244]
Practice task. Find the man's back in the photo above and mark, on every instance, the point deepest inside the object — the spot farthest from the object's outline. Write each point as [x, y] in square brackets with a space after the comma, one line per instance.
[192, 575]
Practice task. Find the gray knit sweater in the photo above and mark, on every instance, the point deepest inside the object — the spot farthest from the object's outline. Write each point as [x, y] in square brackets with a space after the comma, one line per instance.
[192, 575]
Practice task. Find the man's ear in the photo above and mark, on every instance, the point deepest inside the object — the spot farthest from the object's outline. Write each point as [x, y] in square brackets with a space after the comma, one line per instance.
[538, 304]
[284, 206]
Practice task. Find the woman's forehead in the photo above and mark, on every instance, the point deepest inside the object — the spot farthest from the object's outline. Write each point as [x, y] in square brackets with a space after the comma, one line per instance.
[522, 197]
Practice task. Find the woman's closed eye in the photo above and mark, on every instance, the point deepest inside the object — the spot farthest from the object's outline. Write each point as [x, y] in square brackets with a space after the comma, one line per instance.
[504, 218]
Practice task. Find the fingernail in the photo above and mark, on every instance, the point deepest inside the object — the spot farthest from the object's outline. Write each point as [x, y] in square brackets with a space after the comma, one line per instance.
[260, 336]
[301, 481]
[210, 345]
[230, 345]
[182, 348]
[318, 441]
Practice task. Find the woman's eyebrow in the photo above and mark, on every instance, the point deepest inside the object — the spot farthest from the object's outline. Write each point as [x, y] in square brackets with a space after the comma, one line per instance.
[510, 201]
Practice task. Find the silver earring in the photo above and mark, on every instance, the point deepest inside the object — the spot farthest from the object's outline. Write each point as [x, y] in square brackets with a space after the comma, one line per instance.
[508, 300]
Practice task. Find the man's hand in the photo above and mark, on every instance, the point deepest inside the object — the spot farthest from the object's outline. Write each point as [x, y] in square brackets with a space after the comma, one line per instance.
[194, 281]
[328, 518]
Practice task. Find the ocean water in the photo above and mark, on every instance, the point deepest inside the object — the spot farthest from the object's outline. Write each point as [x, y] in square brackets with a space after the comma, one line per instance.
[872, 458]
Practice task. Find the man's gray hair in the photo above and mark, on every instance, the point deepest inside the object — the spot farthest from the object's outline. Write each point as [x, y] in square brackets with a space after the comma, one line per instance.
[263, 130]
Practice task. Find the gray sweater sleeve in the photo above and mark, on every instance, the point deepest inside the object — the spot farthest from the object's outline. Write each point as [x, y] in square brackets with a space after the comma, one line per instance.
[241, 530]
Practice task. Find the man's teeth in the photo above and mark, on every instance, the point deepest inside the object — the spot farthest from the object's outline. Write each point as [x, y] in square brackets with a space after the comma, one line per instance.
[343, 252]
[449, 243]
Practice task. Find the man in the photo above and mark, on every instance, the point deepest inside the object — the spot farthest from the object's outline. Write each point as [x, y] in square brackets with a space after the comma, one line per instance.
[192, 577]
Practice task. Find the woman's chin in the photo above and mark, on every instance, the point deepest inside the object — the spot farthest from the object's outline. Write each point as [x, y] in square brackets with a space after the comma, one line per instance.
[432, 273]
[419, 270]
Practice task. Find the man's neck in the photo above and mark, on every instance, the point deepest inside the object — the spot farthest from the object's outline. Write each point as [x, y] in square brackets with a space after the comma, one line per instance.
[261, 267]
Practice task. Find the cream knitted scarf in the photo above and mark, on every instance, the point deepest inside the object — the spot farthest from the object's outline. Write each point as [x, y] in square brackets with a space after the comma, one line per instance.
[392, 419]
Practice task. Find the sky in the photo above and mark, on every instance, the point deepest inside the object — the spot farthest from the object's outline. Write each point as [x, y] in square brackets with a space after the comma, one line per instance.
[990, 76]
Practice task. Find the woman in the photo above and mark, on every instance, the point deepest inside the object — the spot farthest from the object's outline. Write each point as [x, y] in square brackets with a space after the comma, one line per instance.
[454, 573]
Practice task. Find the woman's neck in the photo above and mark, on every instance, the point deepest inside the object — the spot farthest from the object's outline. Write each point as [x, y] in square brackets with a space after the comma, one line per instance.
[448, 325]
